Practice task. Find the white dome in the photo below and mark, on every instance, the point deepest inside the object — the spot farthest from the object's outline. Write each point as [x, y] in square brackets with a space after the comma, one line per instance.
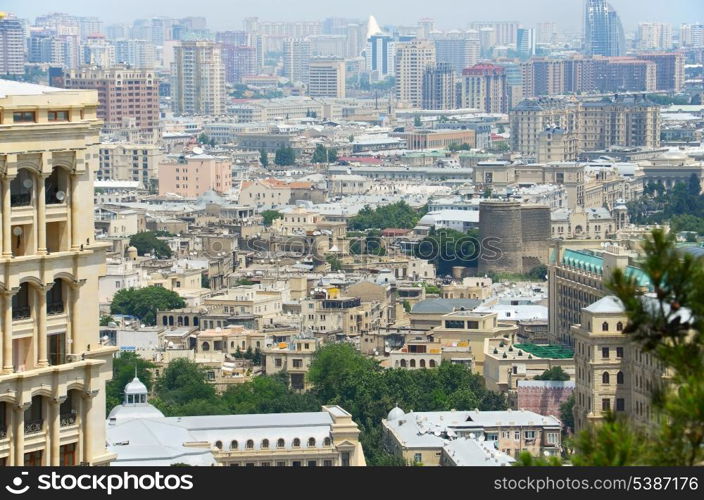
[395, 414]
[135, 387]
[673, 155]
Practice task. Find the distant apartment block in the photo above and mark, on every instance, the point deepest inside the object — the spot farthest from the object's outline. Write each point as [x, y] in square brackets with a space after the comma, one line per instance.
[193, 175]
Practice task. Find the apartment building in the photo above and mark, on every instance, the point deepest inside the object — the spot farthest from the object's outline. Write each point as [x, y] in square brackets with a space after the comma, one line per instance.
[419, 437]
[296, 55]
[126, 161]
[326, 77]
[412, 60]
[128, 97]
[54, 367]
[193, 175]
[199, 79]
[293, 357]
[439, 87]
[613, 374]
[11, 45]
[484, 88]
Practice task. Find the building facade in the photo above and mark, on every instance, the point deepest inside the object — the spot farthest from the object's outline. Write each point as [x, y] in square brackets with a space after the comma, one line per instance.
[484, 88]
[199, 79]
[411, 61]
[54, 367]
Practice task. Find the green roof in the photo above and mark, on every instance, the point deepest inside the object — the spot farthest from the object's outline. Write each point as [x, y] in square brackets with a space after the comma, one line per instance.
[554, 351]
[586, 260]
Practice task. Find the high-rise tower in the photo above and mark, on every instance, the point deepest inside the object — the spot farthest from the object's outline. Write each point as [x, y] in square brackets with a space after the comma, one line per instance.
[603, 32]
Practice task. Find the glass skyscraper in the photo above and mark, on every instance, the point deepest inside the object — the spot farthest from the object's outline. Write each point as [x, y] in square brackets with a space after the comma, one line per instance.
[603, 32]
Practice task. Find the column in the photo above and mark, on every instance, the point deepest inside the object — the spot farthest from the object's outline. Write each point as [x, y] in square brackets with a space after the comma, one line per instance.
[75, 236]
[7, 366]
[41, 214]
[73, 320]
[11, 434]
[18, 434]
[55, 430]
[6, 218]
[86, 427]
[42, 359]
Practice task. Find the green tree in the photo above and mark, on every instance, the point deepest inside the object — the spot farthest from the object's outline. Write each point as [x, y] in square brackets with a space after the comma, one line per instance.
[147, 243]
[123, 371]
[144, 302]
[501, 128]
[263, 158]
[447, 248]
[183, 386]
[567, 413]
[320, 155]
[203, 138]
[538, 273]
[555, 373]
[615, 442]
[105, 320]
[396, 215]
[285, 156]
[335, 262]
[270, 215]
[332, 155]
[525, 459]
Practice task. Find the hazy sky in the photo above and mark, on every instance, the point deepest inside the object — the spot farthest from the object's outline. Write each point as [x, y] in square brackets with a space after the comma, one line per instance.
[228, 14]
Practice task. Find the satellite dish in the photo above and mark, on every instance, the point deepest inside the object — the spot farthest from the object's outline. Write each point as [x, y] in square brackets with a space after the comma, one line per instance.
[197, 151]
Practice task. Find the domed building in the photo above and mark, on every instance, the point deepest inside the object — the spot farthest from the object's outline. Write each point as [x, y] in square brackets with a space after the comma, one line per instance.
[140, 435]
[670, 168]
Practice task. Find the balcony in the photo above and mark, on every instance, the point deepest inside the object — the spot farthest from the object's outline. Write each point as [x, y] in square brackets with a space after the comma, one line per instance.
[54, 308]
[67, 419]
[21, 312]
[33, 426]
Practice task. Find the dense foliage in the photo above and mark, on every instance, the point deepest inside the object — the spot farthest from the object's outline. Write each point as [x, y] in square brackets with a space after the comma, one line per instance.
[285, 157]
[447, 248]
[147, 242]
[397, 215]
[270, 215]
[682, 205]
[144, 302]
[324, 155]
[555, 373]
[123, 371]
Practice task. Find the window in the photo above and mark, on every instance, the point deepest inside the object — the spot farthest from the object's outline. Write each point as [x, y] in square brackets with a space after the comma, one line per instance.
[605, 404]
[58, 116]
[281, 464]
[454, 324]
[418, 458]
[277, 362]
[619, 352]
[619, 326]
[605, 326]
[312, 463]
[298, 363]
[280, 443]
[265, 444]
[605, 378]
[529, 434]
[620, 404]
[604, 352]
[311, 442]
[552, 437]
[327, 463]
[295, 463]
[473, 325]
[327, 441]
[24, 116]
[619, 378]
[250, 444]
[234, 444]
[296, 443]
[492, 436]
[218, 445]
[517, 435]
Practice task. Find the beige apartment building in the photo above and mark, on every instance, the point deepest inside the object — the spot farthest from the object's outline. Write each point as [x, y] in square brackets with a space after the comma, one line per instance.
[199, 79]
[293, 357]
[193, 175]
[129, 162]
[484, 88]
[54, 368]
[326, 77]
[411, 61]
[612, 373]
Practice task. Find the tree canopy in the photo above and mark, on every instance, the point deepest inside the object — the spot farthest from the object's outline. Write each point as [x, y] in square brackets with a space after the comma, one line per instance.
[396, 215]
[324, 155]
[144, 302]
[270, 215]
[147, 243]
[447, 248]
[555, 373]
[285, 156]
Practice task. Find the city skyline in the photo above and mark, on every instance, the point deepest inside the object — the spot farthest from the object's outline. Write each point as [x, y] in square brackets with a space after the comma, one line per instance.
[444, 12]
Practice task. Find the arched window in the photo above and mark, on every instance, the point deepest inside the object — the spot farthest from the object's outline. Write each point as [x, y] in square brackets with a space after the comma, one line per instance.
[171, 321]
[218, 445]
[195, 321]
[605, 378]
[21, 188]
[265, 444]
[422, 363]
[55, 186]
[403, 363]
[432, 363]
[619, 378]
[250, 444]
[280, 443]
[234, 444]
[327, 441]
[413, 363]
[619, 326]
[186, 321]
[205, 346]
[296, 443]
[164, 320]
[604, 327]
[311, 442]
